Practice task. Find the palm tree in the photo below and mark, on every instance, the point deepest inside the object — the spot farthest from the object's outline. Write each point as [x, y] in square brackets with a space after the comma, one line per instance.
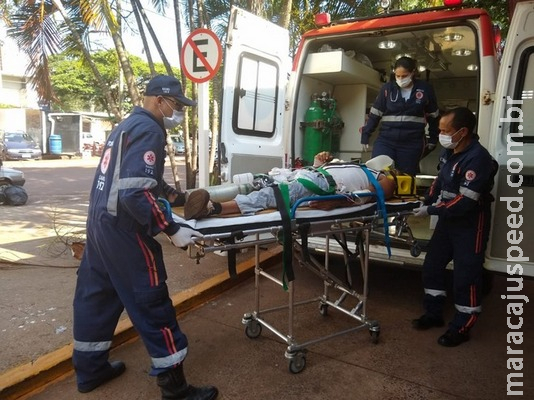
[136, 4]
[137, 14]
[113, 25]
[39, 34]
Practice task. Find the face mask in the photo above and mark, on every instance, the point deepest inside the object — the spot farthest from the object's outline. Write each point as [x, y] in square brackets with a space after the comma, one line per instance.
[174, 121]
[446, 140]
[404, 82]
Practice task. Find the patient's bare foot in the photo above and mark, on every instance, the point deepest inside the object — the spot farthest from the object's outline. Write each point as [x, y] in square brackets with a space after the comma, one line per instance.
[198, 205]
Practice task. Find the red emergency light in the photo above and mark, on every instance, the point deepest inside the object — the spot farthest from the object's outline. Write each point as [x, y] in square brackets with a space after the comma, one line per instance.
[322, 19]
[452, 3]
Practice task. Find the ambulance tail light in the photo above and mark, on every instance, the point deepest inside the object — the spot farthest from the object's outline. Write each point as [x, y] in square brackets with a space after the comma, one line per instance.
[322, 19]
[452, 3]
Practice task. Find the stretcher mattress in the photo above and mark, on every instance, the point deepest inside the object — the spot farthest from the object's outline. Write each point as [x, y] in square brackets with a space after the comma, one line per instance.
[269, 218]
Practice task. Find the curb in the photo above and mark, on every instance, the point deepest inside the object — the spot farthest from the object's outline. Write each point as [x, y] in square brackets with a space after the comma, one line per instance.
[47, 369]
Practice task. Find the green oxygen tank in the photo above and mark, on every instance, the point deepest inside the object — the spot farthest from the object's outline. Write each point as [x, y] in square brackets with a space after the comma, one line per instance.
[333, 127]
[314, 141]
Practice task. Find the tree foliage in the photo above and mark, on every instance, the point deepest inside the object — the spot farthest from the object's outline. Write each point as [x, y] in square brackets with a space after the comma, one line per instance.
[75, 86]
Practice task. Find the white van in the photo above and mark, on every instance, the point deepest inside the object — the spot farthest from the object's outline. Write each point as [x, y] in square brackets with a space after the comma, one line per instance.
[342, 65]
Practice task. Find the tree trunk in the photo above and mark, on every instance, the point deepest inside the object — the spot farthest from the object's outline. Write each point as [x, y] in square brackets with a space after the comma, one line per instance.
[116, 35]
[154, 38]
[286, 13]
[150, 61]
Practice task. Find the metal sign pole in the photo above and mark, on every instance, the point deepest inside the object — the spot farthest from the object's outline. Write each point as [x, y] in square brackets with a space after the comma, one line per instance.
[203, 134]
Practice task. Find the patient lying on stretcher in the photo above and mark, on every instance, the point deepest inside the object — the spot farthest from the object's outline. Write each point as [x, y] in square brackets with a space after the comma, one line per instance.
[327, 177]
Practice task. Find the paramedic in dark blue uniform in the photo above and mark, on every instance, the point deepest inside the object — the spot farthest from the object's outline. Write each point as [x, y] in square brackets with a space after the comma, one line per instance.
[460, 196]
[404, 108]
[122, 266]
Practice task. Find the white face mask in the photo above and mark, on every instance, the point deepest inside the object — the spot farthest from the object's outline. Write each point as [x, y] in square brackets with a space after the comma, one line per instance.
[404, 82]
[173, 121]
[446, 140]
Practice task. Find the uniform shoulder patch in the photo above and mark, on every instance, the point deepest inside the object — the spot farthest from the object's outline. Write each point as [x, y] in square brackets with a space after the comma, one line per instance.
[470, 175]
[104, 164]
[149, 157]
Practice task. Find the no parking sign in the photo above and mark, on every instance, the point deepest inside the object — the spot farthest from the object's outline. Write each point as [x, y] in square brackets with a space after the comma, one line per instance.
[201, 55]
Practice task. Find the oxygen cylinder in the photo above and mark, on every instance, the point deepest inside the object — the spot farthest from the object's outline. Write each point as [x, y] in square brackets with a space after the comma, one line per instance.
[334, 126]
[313, 142]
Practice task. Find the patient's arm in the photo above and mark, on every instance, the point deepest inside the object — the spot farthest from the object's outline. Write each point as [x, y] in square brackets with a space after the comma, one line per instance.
[229, 207]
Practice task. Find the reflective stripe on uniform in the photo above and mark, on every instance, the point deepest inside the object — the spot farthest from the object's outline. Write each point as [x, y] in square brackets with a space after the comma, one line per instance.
[435, 293]
[137, 183]
[125, 183]
[434, 114]
[376, 112]
[445, 195]
[403, 118]
[468, 310]
[113, 198]
[92, 346]
[469, 193]
[169, 361]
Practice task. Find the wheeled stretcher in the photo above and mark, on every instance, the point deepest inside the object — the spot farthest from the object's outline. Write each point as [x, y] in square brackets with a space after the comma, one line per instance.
[352, 228]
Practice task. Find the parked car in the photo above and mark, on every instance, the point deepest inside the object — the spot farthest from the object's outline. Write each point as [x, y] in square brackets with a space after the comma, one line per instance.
[11, 176]
[20, 146]
[178, 145]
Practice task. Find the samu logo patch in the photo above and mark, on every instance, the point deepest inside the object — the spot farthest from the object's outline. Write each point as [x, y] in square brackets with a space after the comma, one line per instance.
[470, 175]
[150, 158]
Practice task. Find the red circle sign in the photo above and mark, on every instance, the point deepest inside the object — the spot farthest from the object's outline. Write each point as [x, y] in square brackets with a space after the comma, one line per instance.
[201, 55]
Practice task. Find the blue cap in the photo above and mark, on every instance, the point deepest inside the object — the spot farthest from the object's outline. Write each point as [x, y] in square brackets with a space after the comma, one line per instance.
[164, 85]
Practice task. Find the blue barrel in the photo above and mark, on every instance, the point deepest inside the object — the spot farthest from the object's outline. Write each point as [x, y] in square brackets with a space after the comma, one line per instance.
[56, 146]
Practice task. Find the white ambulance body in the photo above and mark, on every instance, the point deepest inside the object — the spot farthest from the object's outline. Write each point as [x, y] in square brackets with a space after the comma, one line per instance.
[265, 106]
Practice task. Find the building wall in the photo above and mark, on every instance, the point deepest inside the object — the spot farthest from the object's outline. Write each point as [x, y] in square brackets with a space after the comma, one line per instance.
[14, 91]
[21, 119]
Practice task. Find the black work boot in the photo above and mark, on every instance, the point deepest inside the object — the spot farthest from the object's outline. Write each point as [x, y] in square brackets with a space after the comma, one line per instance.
[113, 370]
[174, 386]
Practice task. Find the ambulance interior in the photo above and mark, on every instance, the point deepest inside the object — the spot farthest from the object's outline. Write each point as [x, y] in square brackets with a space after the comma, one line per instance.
[352, 68]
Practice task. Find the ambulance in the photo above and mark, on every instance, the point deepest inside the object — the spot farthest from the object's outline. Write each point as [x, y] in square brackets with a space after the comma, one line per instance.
[273, 106]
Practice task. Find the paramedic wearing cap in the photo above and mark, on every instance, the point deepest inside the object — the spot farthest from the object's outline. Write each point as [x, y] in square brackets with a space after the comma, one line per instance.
[463, 186]
[404, 107]
[122, 266]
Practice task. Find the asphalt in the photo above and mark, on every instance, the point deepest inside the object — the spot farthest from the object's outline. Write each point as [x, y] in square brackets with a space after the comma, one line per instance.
[404, 364]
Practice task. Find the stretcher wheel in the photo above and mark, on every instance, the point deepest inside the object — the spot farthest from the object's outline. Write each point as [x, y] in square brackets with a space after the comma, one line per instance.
[374, 336]
[415, 250]
[323, 309]
[297, 363]
[253, 329]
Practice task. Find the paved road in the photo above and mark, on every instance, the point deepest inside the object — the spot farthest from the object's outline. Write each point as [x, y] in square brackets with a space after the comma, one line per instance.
[404, 365]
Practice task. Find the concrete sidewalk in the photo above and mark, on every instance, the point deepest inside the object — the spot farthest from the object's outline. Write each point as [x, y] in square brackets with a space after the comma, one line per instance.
[405, 364]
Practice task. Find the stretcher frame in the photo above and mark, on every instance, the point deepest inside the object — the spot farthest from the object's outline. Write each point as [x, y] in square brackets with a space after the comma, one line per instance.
[362, 227]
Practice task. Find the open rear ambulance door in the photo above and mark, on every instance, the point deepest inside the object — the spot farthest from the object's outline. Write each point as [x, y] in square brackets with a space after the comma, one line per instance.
[512, 144]
[256, 67]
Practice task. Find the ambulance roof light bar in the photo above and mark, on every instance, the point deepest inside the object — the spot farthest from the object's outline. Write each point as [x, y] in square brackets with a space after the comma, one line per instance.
[452, 3]
[322, 19]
